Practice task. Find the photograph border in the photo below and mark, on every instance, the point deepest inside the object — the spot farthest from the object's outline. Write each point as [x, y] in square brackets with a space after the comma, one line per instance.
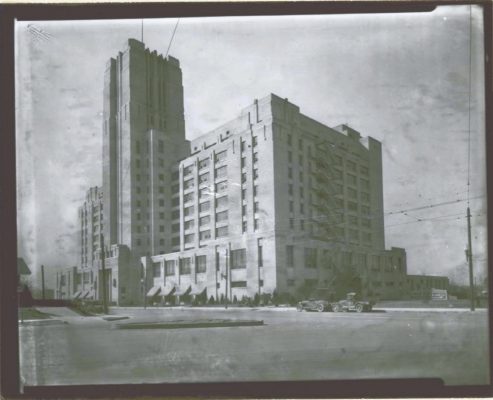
[9, 349]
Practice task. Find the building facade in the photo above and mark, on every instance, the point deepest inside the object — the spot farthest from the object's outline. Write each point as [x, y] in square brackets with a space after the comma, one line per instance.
[275, 202]
[272, 202]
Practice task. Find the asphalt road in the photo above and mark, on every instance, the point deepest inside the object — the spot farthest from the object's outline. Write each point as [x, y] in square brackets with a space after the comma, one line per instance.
[290, 346]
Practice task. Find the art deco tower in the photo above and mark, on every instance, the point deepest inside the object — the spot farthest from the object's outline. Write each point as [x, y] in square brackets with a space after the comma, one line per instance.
[144, 137]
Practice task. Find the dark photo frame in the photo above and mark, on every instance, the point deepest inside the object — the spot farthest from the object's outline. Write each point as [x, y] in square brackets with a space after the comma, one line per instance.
[11, 384]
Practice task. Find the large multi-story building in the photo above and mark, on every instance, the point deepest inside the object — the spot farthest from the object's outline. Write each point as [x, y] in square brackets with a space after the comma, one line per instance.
[250, 211]
[272, 202]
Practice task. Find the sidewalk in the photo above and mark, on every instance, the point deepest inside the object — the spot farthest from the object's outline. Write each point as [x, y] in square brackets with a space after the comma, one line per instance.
[285, 309]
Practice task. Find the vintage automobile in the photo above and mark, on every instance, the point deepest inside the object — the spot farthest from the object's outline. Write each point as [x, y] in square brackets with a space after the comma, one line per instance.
[352, 303]
[314, 305]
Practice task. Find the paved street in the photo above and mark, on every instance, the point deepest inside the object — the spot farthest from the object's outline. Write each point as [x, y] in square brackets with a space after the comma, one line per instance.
[290, 346]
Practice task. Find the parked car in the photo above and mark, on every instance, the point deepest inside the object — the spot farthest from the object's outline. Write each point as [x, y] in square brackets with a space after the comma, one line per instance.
[352, 303]
[314, 305]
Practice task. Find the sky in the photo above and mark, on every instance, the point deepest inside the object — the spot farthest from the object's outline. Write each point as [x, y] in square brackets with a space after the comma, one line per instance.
[402, 79]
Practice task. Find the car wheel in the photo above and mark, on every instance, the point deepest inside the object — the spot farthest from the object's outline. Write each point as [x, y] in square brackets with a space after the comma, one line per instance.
[337, 308]
[299, 307]
[320, 308]
[359, 307]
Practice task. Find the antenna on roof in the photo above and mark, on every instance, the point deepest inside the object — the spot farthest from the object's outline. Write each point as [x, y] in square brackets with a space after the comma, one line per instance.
[172, 36]
[142, 31]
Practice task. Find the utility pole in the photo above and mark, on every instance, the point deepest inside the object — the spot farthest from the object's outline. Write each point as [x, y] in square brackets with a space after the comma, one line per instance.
[227, 278]
[469, 256]
[103, 276]
[43, 282]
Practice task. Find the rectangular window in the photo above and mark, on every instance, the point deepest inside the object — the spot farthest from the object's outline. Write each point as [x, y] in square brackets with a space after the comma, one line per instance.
[365, 185]
[243, 145]
[351, 179]
[363, 170]
[256, 224]
[290, 156]
[365, 222]
[156, 269]
[256, 207]
[352, 206]
[255, 190]
[244, 226]
[291, 206]
[243, 194]
[365, 210]
[204, 163]
[300, 159]
[290, 282]
[301, 177]
[175, 228]
[352, 193]
[188, 211]
[290, 140]
[201, 263]
[290, 256]
[222, 202]
[204, 220]
[188, 197]
[255, 173]
[353, 220]
[290, 173]
[291, 223]
[310, 258]
[351, 166]
[188, 170]
[254, 141]
[255, 157]
[365, 197]
[302, 208]
[290, 189]
[189, 238]
[222, 231]
[222, 216]
[221, 171]
[353, 235]
[205, 206]
[203, 178]
[302, 192]
[205, 235]
[161, 228]
[243, 162]
[185, 264]
[189, 224]
[221, 187]
[243, 177]
[204, 192]
[188, 184]
[238, 259]
[300, 144]
[175, 214]
[238, 284]
[221, 156]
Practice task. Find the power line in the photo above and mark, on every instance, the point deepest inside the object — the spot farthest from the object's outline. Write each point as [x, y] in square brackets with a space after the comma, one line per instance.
[172, 36]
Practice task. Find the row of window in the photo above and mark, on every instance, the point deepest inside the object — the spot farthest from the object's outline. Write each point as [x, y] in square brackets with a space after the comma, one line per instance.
[312, 255]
